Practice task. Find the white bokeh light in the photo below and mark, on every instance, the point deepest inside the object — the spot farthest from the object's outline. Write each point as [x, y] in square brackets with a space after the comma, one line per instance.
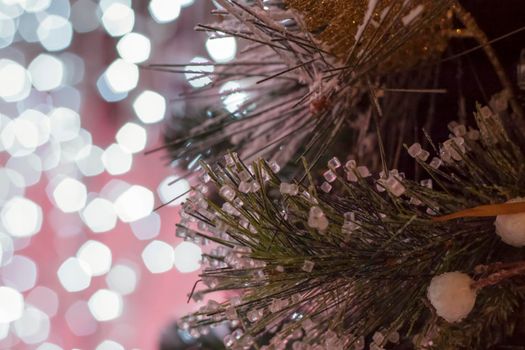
[147, 227]
[134, 47]
[132, 137]
[74, 275]
[47, 72]
[164, 11]
[70, 195]
[99, 215]
[84, 16]
[122, 76]
[105, 305]
[20, 274]
[40, 121]
[44, 299]
[11, 304]
[158, 256]
[33, 327]
[122, 279]
[55, 33]
[7, 30]
[20, 137]
[79, 319]
[97, 256]
[48, 346]
[236, 99]
[89, 160]
[222, 49]
[171, 188]
[71, 149]
[134, 204]
[109, 345]
[196, 74]
[118, 19]
[65, 124]
[34, 5]
[187, 257]
[19, 80]
[150, 107]
[117, 160]
[21, 217]
[30, 167]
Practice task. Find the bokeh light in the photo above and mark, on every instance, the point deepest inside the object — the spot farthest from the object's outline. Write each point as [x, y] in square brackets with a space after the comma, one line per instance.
[132, 137]
[116, 159]
[134, 47]
[11, 305]
[105, 305]
[122, 279]
[118, 19]
[21, 217]
[222, 49]
[74, 275]
[55, 32]
[99, 215]
[187, 257]
[173, 191]
[197, 74]
[134, 204]
[97, 256]
[150, 107]
[122, 76]
[70, 195]
[164, 11]
[47, 72]
[33, 326]
[158, 257]
[79, 236]
[19, 81]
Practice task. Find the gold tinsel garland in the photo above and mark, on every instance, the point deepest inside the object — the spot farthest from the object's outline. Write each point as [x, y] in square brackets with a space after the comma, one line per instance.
[337, 24]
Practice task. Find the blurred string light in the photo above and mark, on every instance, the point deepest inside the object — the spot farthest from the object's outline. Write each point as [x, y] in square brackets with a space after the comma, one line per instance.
[79, 319]
[44, 139]
[134, 47]
[117, 160]
[158, 256]
[150, 107]
[19, 80]
[20, 273]
[55, 32]
[164, 11]
[118, 19]
[21, 217]
[47, 72]
[147, 227]
[109, 345]
[221, 49]
[187, 257]
[70, 195]
[132, 137]
[97, 256]
[74, 275]
[173, 190]
[11, 305]
[122, 279]
[122, 76]
[134, 203]
[105, 305]
[99, 215]
[196, 74]
[33, 326]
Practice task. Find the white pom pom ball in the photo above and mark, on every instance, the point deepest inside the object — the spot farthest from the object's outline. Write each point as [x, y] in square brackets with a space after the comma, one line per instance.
[511, 228]
[452, 296]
